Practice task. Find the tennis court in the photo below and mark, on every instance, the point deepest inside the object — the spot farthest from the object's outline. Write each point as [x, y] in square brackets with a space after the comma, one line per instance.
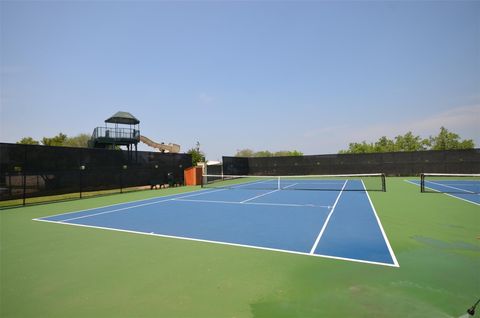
[245, 247]
[331, 217]
[465, 187]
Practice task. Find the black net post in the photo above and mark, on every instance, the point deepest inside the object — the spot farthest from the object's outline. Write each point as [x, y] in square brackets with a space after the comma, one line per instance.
[422, 182]
[384, 183]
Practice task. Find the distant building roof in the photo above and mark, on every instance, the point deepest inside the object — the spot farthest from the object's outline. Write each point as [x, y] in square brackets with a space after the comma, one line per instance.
[123, 118]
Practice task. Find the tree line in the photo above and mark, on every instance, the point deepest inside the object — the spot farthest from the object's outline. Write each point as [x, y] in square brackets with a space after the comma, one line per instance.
[445, 140]
[81, 140]
[266, 153]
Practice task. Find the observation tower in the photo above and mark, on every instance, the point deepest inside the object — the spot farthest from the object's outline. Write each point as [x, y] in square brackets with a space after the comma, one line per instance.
[121, 129]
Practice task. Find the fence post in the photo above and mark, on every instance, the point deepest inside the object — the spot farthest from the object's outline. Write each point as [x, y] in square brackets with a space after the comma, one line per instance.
[121, 178]
[121, 181]
[81, 175]
[24, 178]
[9, 183]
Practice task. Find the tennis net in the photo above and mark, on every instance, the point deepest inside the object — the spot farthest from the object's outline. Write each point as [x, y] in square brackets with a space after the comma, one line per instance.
[450, 183]
[352, 182]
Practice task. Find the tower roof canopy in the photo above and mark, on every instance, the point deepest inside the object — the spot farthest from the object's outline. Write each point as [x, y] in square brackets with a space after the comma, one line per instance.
[123, 118]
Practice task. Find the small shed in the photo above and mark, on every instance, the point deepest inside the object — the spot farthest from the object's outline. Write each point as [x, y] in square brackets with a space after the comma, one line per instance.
[193, 176]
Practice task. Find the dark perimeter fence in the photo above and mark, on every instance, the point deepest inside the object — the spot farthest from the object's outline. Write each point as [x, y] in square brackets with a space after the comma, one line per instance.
[391, 163]
[30, 171]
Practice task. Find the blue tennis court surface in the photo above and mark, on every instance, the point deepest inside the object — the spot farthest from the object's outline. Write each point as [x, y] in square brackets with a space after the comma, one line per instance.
[466, 190]
[335, 224]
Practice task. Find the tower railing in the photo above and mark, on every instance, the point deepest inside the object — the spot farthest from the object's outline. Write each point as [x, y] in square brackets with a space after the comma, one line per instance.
[116, 133]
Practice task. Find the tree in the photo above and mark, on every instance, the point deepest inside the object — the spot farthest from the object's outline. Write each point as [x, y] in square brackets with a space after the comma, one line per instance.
[197, 154]
[355, 147]
[265, 153]
[409, 142]
[28, 141]
[282, 153]
[296, 153]
[244, 153]
[80, 140]
[447, 140]
[384, 145]
[58, 140]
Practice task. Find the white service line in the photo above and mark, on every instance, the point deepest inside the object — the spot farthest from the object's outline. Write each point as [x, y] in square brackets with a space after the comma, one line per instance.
[255, 203]
[312, 251]
[264, 194]
[258, 196]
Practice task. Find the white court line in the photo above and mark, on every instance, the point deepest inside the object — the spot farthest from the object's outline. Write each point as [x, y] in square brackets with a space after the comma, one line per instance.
[290, 185]
[261, 195]
[450, 195]
[455, 188]
[124, 203]
[136, 206]
[258, 196]
[222, 243]
[235, 186]
[327, 220]
[305, 182]
[390, 249]
[255, 203]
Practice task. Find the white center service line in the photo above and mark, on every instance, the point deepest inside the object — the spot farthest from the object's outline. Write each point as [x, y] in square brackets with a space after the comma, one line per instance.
[258, 196]
[327, 220]
[261, 195]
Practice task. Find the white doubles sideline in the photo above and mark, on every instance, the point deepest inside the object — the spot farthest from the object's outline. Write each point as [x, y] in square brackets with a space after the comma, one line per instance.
[385, 238]
[198, 192]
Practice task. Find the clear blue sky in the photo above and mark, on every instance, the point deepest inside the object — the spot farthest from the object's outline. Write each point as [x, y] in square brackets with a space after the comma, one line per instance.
[311, 76]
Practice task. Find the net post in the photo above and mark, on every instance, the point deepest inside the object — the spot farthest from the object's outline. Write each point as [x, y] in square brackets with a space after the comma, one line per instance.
[384, 183]
[422, 182]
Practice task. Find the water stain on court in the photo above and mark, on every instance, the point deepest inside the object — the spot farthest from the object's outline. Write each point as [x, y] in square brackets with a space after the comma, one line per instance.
[459, 245]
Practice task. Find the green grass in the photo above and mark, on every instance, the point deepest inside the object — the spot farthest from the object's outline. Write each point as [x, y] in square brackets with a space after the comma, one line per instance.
[52, 270]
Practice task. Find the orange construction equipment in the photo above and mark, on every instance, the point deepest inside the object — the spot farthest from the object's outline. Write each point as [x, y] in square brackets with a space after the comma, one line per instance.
[193, 176]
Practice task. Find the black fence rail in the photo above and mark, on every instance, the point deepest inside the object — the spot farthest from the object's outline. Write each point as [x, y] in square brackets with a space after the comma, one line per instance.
[28, 171]
[392, 163]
